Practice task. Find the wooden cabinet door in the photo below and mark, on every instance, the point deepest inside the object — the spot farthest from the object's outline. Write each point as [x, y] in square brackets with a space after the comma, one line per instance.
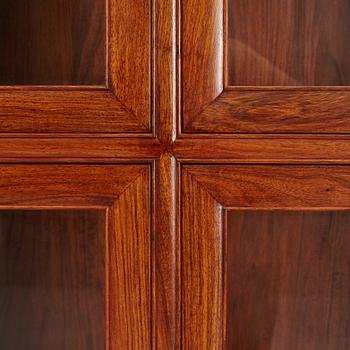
[264, 257]
[174, 174]
[75, 66]
[75, 257]
[264, 66]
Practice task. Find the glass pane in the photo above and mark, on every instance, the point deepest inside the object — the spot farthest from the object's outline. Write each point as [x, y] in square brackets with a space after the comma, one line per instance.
[55, 42]
[288, 283]
[289, 42]
[51, 280]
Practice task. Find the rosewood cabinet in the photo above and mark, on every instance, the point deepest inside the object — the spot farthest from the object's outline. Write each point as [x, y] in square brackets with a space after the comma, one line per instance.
[174, 175]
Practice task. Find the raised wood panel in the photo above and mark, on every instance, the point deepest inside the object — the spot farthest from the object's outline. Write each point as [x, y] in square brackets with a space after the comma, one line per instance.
[228, 297]
[52, 279]
[121, 104]
[123, 192]
[211, 103]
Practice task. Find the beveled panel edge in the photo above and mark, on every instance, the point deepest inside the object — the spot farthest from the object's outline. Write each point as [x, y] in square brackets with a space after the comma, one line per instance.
[108, 111]
[228, 110]
[213, 186]
[130, 180]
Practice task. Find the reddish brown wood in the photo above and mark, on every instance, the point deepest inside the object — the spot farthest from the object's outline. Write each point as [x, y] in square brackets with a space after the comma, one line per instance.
[210, 105]
[59, 110]
[166, 71]
[78, 149]
[209, 190]
[166, 314]
[130, 57]
[52, 279]
[202, 295]
[123, 104]
[274, 111]
[263, 149]
[166, 276]
[201, 37]
[122, 190]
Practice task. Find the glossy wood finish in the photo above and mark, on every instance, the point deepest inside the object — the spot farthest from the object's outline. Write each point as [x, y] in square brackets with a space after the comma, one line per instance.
[78, 149]
[131, 57]
[276, 111]
[53, 42]
[288, 280]
[210, 104]
[288, 44]
[166, 312]
[202, 280]
[208, 192]
[52, 279]
[167, 290]
[262, 149]
[202, 42]
[124, 192]
[119, 106]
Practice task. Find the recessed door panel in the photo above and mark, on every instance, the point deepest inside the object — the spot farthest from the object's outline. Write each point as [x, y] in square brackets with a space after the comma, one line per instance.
[76, 66]
[53, 42]
[265, 66]
[288, 43]
[288, 280]
[75, 257]
[265, 259]
[52, 279]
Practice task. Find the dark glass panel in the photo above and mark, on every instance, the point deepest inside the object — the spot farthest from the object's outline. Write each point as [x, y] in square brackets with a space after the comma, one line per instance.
[52, 279]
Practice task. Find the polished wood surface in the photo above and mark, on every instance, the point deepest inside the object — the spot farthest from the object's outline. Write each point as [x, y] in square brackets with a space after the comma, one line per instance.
[120, 103]
[123, 191]
[131, 56]
[275, 111]
[262, 149]
[289, 43]
[52, 42]
[215, 253]
[202, 280]
[147, 147]
[285, 68]
[202, 60]
[52, 279]
[288, 280]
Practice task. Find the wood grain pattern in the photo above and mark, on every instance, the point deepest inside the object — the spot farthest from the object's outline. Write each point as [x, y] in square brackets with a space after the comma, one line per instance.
[275, 111]
[122, 190]
[130, 55]
[166, 243]
[130, 267]
[210, 190]
[202, 54]
[78, 149]
[201, 268]
[288, 281]
[263, 149]
[275, 186]
[43, 111]
[52, 279]
[52, 42]
[119, 105]
[166, 71]
[281, 101]
[288, 44]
